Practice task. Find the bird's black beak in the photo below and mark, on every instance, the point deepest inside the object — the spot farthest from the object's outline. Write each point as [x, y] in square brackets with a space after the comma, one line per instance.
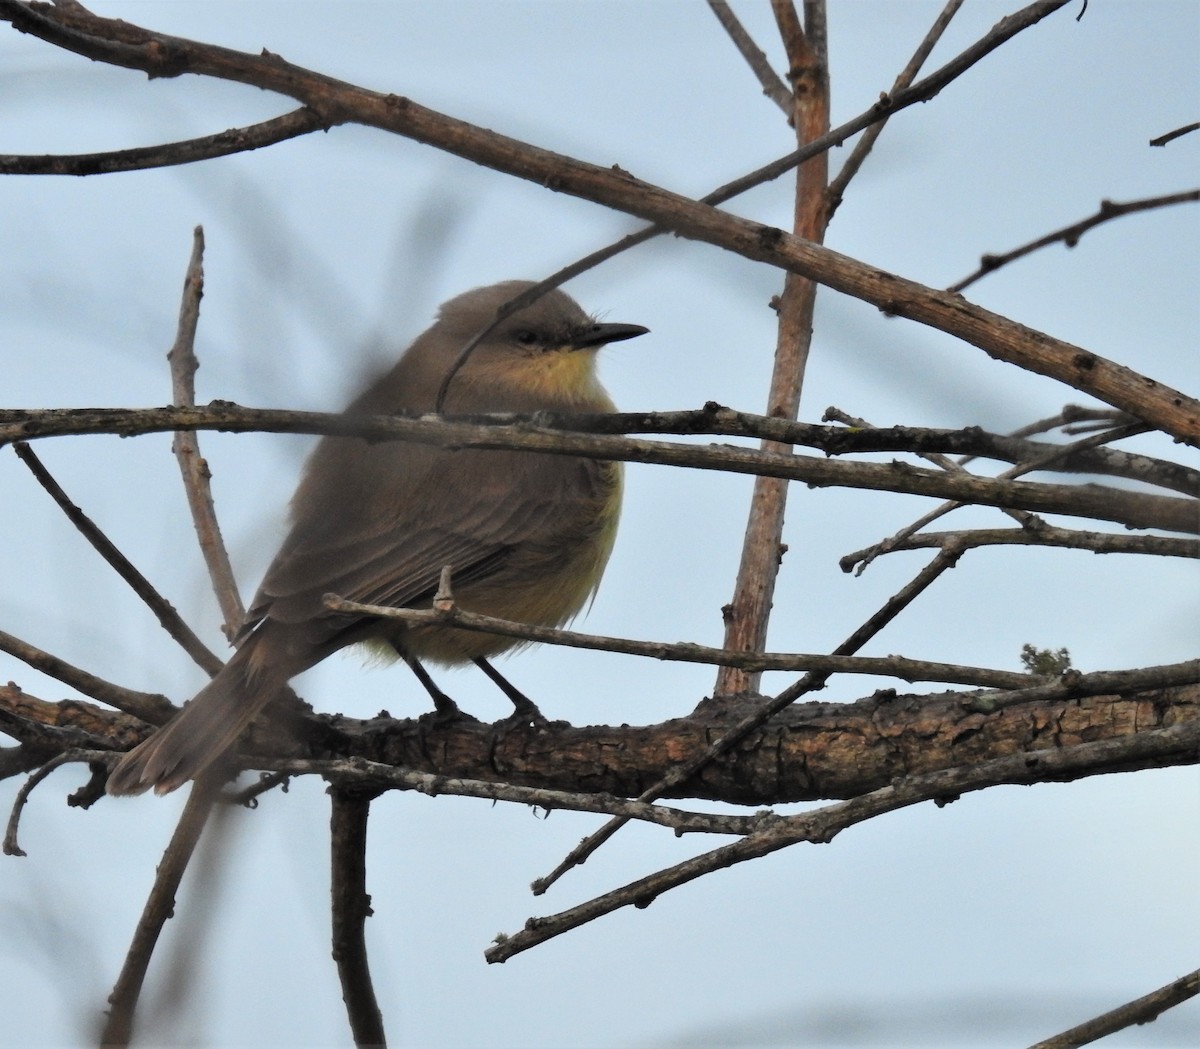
[599, 334]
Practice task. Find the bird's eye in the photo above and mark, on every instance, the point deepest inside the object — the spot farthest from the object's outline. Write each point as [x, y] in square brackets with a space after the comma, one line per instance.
[525, 337]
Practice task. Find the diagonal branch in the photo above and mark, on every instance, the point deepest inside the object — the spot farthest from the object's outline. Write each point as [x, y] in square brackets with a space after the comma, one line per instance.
[1140, 1011]
[171, 621]
[822, 825]
[773, 87]
[1070, 235]
[864, 145]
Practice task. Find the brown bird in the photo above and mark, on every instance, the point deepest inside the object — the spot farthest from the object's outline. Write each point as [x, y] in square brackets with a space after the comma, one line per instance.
[526, 535]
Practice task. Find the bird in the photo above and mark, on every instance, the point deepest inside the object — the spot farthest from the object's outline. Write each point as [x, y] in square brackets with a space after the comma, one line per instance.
[526, 535]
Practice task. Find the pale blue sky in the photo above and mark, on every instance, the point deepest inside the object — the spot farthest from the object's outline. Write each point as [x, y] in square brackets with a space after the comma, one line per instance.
[995, 921]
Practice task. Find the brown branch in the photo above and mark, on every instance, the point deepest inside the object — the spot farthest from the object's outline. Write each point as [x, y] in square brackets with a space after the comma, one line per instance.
[12, 846]
[1092, 441]
[1134, 510]
[224, 143]
[162, 55]
[192, 466]
[1039, 534]
[1170, 136]
[772, 86]
[160, 906]
[809, 751]
[164, 611]
[822, 825]
[351, 906]
[147, 706]
[863, 147]
[748, 613]
[713, 419]
[447, 613]
[1142, 1010]
[1070, 235]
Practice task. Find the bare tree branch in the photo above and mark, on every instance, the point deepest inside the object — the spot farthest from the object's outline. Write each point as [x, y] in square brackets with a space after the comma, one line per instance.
[747, 616]
[192, 467]
[351, 906]
[1070, 235]
[1134, 510]
[163, 610]
[160, 906]
[449, 614]
[773, 87]
[1140, 1011]
[1170, 136]
[1041, 534]
[148, 706]
[863, 147]
[822, 825]
[224, 143]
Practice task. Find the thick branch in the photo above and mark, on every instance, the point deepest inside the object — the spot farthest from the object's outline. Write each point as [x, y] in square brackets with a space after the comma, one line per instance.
[810, 751]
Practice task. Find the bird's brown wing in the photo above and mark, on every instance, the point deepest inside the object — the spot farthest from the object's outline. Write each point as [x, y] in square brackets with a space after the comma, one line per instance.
[379, 527]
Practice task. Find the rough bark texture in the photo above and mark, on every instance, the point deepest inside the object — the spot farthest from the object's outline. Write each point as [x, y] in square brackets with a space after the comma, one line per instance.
[813, 751]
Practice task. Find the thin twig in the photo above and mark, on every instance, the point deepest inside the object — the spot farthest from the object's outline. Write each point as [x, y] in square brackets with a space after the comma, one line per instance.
[1018, 470]
[350, 908]
[163, 610]
[361, 774]
[235, 140]
[1170, 136]
[1041, 534]
[160, 906]
[821, 825]
[863, 147]
[150, 707]
[773, 87]
[11, 846]
[450, 614]
[192, 467]
[1070, 235]
[1142, 1010]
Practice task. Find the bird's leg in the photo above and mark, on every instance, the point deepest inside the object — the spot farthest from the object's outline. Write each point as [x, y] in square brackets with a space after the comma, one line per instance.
[525, 710]
[444, 705]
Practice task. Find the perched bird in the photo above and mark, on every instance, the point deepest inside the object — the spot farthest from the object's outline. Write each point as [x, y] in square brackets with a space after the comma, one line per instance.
[526, 535]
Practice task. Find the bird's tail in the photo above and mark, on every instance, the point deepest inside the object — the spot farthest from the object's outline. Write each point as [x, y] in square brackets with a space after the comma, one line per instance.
[200, 733]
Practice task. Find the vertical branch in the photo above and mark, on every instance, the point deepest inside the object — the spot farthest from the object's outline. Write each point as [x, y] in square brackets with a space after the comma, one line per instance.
[186, 446]
[351, 906]
[747, 615]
